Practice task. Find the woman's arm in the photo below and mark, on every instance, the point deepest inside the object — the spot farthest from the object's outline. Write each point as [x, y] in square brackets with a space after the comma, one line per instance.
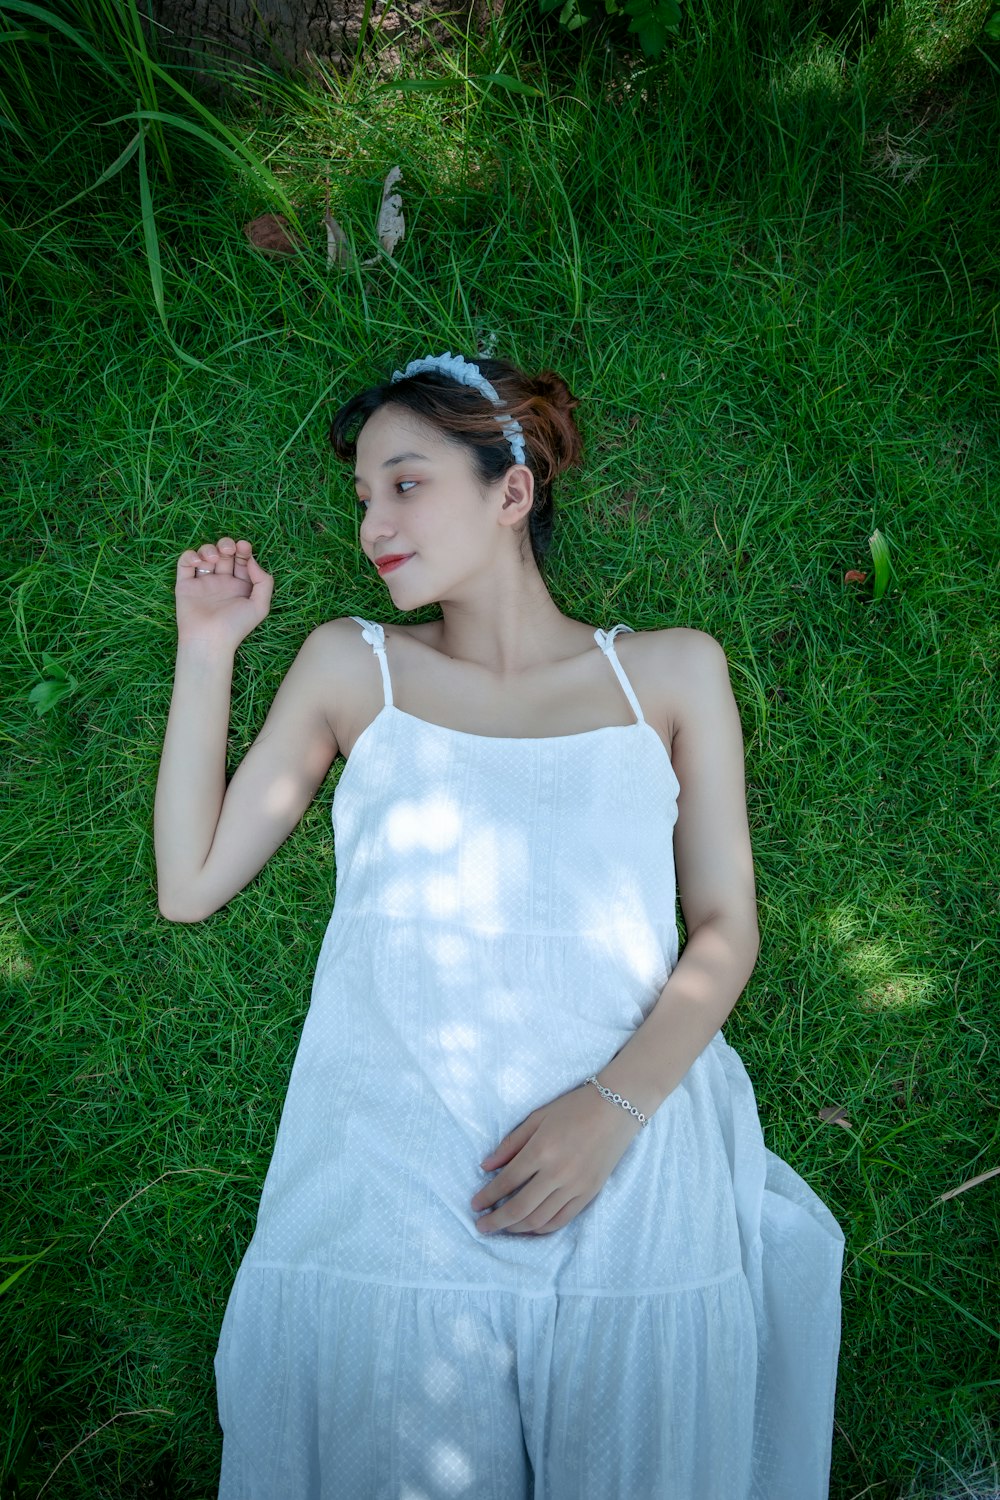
[561, 1155]
[212, 840]
[191, 785]
[715, 880]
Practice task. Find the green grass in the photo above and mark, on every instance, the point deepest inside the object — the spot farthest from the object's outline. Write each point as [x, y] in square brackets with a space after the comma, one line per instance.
[776, 293]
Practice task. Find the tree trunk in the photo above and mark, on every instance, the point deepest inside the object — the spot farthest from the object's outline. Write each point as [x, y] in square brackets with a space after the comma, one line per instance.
[291, 37]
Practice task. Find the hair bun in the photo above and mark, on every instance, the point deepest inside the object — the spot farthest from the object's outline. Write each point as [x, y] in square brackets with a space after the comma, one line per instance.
[551, 387]
[552, 404]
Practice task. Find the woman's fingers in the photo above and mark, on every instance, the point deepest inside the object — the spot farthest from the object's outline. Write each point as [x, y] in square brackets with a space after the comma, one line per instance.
[517, 1207]
[224, 558]
[504, 1184]
[537, 1221]
[243, 556]
[188, 563]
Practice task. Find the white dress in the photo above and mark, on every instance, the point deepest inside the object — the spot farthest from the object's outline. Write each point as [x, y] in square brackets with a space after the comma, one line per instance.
[505, 918]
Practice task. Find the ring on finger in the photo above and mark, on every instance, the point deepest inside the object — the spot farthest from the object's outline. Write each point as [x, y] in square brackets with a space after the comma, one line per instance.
[204, 570]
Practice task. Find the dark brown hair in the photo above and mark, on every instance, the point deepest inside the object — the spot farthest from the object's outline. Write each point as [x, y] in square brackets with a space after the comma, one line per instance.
[543, 404]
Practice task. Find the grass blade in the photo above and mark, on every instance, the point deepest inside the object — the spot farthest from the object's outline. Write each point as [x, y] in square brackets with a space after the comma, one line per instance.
[880, 557]
[109, 172]
[149, 230]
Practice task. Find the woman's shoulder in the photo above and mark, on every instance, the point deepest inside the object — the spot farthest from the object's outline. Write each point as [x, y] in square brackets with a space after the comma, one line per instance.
[337, 657]
[673, 670]
[677, 649]
[677, 639]
[350, 629]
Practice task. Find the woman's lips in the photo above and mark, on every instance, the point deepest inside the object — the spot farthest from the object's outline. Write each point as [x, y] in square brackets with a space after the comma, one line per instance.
[390, 563]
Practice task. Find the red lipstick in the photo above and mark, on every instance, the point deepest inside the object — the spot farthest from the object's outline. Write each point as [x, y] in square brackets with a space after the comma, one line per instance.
[386, 564]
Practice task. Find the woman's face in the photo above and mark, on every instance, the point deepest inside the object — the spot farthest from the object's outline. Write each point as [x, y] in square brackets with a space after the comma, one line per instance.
[421, 496]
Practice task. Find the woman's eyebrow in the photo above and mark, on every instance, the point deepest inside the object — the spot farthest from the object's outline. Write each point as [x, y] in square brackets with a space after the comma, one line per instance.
[403, 458]
[400, 458]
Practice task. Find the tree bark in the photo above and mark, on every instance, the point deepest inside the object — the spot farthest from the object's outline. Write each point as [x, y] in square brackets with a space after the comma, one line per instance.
[292, 37]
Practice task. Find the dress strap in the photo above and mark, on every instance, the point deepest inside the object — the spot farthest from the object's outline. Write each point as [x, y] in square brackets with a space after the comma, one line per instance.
[375, 636]
[606, 640]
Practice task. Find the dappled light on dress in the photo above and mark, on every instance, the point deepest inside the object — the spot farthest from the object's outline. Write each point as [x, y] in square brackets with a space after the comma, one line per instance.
[504, 920]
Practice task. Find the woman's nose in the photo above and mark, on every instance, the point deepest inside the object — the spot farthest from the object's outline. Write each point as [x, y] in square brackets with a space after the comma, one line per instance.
[371, 524]
[372, 528]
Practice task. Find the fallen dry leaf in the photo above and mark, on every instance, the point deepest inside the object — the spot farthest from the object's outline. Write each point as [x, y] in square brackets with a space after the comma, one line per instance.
[338, 249]
[853, 576]
[834, 1114]
[391, 227]
[270, 233]
[972, 1182]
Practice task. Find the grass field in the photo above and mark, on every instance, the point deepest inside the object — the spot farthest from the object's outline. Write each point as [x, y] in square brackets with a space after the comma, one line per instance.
[775, 291]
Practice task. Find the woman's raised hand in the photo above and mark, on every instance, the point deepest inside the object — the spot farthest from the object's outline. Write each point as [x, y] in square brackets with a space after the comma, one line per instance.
[223, 605]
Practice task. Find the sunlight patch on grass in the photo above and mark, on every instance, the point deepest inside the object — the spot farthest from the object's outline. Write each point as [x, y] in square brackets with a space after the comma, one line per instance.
[821, 69]
[15, 963]
[881, 984]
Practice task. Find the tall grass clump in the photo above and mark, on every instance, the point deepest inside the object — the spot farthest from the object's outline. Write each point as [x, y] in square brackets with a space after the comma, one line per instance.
[774, 288]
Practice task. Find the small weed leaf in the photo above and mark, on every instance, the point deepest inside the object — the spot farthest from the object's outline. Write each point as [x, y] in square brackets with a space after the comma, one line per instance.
[504, 81]
[880, 557]
[573, 13]
[652, 21]
[56, 685]
[570, 16]
[991, 30]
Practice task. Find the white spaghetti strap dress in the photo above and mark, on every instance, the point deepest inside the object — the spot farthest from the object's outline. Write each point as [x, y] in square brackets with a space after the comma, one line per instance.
[505, 917]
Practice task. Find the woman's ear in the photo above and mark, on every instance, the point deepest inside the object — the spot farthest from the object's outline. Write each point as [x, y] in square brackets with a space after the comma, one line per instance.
[518, 494]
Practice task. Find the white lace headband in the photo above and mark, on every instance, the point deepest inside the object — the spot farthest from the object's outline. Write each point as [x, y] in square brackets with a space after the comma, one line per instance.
[468, 374]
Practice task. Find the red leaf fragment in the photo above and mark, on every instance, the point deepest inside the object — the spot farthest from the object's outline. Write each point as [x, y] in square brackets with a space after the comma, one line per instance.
[271, 234]
[853, 576]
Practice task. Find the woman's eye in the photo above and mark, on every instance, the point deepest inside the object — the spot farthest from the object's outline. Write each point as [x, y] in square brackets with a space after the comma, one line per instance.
[402, 484]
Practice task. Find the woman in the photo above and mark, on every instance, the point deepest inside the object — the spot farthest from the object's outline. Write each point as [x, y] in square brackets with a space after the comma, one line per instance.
[520, 1234]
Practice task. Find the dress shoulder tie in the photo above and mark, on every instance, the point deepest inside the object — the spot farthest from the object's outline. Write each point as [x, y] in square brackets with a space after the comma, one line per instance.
[375, 636]
[606, 640]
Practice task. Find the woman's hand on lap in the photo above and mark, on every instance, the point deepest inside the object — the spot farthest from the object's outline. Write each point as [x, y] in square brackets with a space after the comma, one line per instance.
[554, 1163]
[222, 606]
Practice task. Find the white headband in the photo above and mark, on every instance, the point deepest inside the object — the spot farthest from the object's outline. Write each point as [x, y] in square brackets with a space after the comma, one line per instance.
[467, 374]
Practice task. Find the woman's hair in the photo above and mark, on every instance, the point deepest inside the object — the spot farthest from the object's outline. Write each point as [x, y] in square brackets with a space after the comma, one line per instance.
[543, 404]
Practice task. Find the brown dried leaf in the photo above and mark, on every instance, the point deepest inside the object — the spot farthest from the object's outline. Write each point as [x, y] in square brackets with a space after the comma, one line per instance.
[271, 234]
[834, 1114]
[391, 227]
[971, 1183]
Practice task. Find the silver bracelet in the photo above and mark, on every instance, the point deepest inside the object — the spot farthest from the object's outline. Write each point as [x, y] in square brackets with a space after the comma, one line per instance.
[617, 1099]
